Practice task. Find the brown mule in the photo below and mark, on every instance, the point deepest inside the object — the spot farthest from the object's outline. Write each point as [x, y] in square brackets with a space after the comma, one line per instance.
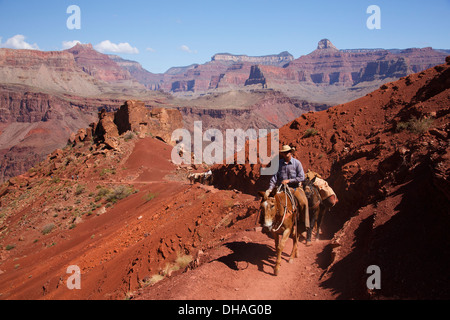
[280, 218]
[316, 206]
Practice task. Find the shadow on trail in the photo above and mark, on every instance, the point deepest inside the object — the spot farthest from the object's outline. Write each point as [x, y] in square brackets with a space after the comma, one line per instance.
[249, 253]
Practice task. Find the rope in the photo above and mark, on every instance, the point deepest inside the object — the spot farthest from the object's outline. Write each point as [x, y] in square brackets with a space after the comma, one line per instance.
[288, 193]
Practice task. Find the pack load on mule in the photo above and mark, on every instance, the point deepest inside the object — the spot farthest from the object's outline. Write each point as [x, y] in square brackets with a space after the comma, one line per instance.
[321, 197]
[298, 204]
[327, 194]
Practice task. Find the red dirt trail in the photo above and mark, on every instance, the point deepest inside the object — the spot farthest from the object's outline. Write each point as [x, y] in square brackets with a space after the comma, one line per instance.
[242, 269]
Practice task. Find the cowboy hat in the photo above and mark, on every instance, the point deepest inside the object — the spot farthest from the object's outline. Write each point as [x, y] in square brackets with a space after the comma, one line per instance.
[286, 148]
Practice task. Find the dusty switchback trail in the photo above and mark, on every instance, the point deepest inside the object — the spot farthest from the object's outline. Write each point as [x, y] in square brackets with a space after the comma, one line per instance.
[242, 269]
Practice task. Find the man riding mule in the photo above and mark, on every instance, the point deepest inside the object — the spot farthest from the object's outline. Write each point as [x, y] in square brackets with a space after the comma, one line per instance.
[295, 206]
[289, 206]
[290, 173]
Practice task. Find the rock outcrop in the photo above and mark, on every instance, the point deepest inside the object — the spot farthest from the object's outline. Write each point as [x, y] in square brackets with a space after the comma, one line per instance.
[326, 44]
[135, 117]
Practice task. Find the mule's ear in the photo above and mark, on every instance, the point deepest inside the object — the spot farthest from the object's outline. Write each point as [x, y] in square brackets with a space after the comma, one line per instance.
[314, 179]
[263, 195]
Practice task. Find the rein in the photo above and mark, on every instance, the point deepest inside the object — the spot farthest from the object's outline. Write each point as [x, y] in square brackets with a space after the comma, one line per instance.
[288, 193]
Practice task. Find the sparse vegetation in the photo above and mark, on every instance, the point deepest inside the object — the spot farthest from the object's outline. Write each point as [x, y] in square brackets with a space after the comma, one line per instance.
[48, 228]
[79, 190]
[183, 261]
[10, 247]
[180, 263]
[102, 192]
[414, 125]
[311, 132]
[119, 193]
[128, 136]
[56, 179]
[114, 194]
[107, 171]
[153, 280]
[149, 196]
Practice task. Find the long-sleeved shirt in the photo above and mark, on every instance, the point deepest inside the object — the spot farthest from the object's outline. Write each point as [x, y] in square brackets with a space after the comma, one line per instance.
[292, 171]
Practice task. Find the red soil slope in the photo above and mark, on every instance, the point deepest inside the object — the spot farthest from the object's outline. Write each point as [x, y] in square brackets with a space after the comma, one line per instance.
[120, 247]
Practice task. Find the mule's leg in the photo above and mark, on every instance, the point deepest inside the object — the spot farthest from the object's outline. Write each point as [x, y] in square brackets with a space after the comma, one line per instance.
[312, 224]
[294, 253]
[277, 239]
[280, 247]
[322, 211]
[277, 245]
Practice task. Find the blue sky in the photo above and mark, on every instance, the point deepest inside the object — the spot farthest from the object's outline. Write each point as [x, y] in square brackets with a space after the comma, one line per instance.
[161, 34]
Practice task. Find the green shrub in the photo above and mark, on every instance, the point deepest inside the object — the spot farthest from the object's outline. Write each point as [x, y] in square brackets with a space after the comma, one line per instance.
[102, 192]
[418, 126]
[149, 196]
[10, 247]
[119, 193]
[311, 132]
[107, 171]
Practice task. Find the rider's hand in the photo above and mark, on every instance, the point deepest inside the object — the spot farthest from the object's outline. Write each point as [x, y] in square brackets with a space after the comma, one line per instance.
[285, 182]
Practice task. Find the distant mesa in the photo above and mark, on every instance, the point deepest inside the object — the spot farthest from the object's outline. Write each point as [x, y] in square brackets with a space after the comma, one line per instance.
[326, 67]
[274, 59]
[326, 44]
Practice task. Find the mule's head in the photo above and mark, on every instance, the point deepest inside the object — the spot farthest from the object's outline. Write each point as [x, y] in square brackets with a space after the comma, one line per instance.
[268, 210]
[308, 187]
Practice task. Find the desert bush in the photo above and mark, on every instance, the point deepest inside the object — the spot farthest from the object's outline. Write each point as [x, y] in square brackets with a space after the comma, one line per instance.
[79, 190]
[128, 136]
[107, 171]
[311, 132]
[10, 247]
[180, 263]
[183, 260]
[149, 196]
[414, 125]
[119, 193]
[48, 228]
